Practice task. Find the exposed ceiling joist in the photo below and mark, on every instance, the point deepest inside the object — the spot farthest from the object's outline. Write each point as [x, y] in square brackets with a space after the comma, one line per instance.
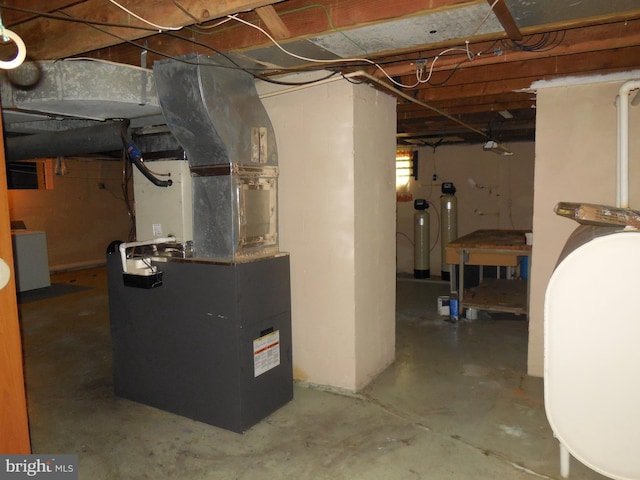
[506, 19]
[558, 38]
[273, 22]
[63, 40]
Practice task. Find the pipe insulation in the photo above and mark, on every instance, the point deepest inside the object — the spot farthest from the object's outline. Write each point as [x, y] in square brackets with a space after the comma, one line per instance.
[103, 137]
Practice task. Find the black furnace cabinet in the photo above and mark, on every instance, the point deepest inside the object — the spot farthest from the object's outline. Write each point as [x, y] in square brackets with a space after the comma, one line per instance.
[212, 343]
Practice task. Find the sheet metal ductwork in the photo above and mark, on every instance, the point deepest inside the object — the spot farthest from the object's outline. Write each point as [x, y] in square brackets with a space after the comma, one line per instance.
[73, 107]
[103, 137]
[216, 115]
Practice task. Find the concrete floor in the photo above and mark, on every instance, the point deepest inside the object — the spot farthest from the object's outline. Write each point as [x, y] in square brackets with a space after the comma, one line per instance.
[456, 404]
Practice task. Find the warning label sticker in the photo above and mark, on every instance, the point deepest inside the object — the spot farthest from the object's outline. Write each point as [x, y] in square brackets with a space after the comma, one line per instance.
[266, 353]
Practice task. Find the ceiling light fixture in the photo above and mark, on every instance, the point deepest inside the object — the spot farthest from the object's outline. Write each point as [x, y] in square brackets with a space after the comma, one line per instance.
[506, 114]
[497, 148]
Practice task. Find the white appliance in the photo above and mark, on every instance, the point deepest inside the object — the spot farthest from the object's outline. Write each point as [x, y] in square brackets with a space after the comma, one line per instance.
[31, 259]
[592, 351]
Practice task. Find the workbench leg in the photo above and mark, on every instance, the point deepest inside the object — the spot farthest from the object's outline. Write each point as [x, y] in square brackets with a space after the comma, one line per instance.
[452, 279]
[461, 286]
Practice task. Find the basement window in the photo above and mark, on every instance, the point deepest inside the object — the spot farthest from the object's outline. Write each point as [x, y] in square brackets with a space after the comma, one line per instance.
[30, 175]
[405, 168]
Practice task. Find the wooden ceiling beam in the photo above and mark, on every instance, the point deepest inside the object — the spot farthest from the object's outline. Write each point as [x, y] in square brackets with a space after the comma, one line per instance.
[273, 22]
[579, 40]
[11, 17]
[302, 20]
[516, 101]
[505, 18]
[535, 69]
[496, 80]
[48, 38]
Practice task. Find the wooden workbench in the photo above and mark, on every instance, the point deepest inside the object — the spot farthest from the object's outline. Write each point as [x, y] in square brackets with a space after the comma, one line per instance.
[499, 248]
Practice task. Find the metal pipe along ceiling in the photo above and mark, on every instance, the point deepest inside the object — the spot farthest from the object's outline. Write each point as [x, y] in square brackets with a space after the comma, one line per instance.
[104, 137]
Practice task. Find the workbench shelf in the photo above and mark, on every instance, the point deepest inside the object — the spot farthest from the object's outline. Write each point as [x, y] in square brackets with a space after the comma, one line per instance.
[498, 295]
[499, 248]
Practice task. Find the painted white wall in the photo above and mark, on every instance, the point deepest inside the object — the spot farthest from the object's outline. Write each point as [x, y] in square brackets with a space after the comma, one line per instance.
[336, 149]
[576, 138]
[374, 179]
[493, 191]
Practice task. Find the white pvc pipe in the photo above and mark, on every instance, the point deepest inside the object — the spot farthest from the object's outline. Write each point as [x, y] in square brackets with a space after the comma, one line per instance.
[622, 196]
[123, 247]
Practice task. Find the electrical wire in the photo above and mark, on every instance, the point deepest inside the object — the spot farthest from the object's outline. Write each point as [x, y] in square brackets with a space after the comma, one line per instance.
[486, 17]
[435, 59]
[317, 60]
[466, 50]
[135, 156]
[200, 27]
[127, 176]
[251, 71]
[233, 65]
[185, 11]
[281, 13]
[143, 20]
[70, 18]
[546, 42]
[407, 237]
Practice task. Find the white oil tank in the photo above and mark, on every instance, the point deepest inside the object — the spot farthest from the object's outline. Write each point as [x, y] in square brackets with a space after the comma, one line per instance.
[592, 351]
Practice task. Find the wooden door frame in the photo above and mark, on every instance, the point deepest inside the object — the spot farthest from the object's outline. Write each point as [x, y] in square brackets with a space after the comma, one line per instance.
[14, 423]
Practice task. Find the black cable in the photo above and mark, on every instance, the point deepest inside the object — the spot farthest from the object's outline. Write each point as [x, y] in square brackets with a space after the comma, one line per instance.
[135, 156]
[235, 65]
[206, 64]
[451, 73]
[69, 18]
[145, 171]
[186, 12]
[127, 175]
[545, 43]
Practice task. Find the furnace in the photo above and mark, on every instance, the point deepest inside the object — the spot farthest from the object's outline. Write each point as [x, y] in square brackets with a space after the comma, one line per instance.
[200, 301]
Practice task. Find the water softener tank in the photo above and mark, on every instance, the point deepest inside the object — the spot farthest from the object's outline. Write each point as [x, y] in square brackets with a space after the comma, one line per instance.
[421, 239]
[449, 222]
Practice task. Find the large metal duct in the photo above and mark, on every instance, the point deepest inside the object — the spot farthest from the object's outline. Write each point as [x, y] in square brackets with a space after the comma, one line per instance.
[215, 113]
[67, 107]
[104, 137]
